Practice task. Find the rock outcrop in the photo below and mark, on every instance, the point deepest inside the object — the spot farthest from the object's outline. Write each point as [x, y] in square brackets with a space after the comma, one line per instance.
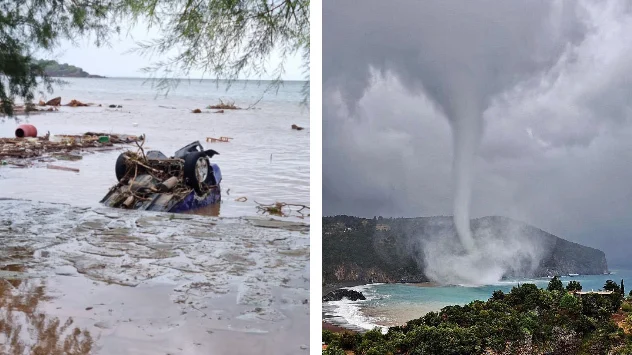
[339, 294]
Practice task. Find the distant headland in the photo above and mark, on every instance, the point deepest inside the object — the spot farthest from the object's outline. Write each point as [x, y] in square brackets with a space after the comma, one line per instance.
[55, 69]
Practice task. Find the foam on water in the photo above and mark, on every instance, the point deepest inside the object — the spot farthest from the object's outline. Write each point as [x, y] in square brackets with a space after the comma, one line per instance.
[350, 312]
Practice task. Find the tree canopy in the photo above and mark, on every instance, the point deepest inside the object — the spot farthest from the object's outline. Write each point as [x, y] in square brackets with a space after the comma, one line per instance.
[39, 25]
[573, 286]
[224, 38]
[555, 284]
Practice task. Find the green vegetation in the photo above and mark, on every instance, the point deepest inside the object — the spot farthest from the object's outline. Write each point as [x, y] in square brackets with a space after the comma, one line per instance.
[352, 253]
[54, 69]
[527, 320]
[573, 286]
[555, 284]
[40, 25]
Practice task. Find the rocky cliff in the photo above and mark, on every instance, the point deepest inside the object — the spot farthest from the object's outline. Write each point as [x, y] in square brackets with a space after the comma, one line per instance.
[392, 250]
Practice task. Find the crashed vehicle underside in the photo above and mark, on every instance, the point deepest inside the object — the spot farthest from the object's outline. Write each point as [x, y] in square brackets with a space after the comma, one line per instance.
[155, 182]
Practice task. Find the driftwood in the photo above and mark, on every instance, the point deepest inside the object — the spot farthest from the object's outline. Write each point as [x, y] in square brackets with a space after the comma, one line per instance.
[57, 167]
[278, 209]
[224, 106]
[168, 184]
[23, 148]
[220, 139]
[129, 201]
[54, 102]
[76, 103]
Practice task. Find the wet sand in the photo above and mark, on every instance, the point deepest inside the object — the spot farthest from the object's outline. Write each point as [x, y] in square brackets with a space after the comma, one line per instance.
[150, 283]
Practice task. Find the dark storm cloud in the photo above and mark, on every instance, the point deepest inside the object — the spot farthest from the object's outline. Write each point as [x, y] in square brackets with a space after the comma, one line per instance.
[553, 82]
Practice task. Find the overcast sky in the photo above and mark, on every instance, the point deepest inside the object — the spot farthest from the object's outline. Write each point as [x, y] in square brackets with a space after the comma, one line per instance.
[552, 79]
[113, 61]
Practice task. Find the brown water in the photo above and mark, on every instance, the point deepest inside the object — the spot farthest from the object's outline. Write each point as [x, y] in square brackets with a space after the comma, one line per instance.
[158, 283]
[266, 161]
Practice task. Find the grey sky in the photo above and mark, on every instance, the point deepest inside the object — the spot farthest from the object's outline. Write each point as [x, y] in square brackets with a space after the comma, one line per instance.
[113, 61]
[553, 80]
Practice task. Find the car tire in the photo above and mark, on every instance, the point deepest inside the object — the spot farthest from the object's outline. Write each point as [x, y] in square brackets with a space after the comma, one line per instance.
[197, 170]
[121, 167]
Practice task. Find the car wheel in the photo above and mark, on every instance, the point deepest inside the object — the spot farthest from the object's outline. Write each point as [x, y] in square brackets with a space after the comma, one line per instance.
[197, 170]
[121, 167]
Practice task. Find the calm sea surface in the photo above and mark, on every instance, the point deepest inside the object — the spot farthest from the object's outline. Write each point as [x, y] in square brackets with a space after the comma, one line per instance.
[266, 161]
[395, 304]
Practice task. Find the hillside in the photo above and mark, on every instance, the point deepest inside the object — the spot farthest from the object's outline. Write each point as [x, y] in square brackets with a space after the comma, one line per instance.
[64, 70]
[392, 250]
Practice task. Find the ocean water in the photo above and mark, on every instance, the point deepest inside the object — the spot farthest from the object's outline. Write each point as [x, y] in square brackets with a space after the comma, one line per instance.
[265, 162]
[395, 304]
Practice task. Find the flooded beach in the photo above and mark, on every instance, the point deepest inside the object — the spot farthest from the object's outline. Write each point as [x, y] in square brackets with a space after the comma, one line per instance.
[224, 279]
[266, 161]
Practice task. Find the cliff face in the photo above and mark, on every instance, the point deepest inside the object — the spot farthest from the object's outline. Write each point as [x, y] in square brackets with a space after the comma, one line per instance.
[392, 250]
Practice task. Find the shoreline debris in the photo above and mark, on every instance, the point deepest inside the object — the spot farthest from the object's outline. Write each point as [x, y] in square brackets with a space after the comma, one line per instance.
[57, 167]
[298, 128]
[23, 148]
[221, 139]
[223, 106]
[76, 103]
[26, 130]
[52, 102]
[277, 209]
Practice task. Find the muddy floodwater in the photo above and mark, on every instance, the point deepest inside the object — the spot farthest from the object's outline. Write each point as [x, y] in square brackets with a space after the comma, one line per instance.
[266, 161]
[76, 276]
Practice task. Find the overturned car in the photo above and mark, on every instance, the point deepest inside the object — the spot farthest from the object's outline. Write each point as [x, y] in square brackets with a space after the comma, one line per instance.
[155, 182]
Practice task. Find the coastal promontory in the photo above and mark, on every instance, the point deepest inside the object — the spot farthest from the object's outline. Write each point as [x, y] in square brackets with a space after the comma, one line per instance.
[397, 249]
[55, 69]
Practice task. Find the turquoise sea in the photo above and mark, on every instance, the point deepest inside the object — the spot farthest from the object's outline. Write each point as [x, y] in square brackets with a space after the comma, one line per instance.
[394, 304]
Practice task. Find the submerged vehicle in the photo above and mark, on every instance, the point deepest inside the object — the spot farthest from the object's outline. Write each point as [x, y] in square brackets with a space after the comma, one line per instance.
[155, 182]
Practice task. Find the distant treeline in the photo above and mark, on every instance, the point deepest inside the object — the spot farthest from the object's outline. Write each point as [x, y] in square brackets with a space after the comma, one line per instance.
[55, 69]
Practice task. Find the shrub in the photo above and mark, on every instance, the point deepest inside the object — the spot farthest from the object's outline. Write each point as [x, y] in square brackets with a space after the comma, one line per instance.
[328, 336]
[333, 350]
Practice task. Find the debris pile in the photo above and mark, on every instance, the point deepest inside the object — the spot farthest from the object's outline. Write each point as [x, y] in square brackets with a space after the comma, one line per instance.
[22, 148]
[146, 176]
[224, 106]
[220, 139]
[76, 103]
[52, 102]
[283, 209]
